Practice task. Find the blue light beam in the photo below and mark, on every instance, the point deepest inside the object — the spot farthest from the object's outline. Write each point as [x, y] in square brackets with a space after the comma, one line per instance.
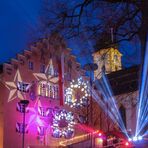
[110, 102]
[142, 107]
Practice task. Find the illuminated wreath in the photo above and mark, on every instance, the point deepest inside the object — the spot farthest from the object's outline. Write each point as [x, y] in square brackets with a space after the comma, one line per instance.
[77, 94]
[63, 124]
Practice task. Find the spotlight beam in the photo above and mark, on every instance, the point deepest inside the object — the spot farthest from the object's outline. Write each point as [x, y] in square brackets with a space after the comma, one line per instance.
[108, 104]
[107, 93]
[142, 107]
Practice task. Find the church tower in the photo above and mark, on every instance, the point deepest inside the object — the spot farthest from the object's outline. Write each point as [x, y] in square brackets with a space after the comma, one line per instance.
[108, 60]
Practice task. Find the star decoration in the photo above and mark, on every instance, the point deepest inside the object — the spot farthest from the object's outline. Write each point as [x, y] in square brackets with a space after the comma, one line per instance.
[34, 113]
[12, 86]
[35, 119]
[48, 76]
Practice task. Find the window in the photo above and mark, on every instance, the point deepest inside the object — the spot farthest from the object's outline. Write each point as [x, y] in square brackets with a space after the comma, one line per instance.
[21, 61]
[56, 92]
[44, 112]
[30, 65]
[42, 68]
[22, 86]
[48, 90]
[20, 128]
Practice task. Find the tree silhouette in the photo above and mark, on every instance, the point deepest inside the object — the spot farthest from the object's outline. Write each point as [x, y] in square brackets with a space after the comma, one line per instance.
[104, 22]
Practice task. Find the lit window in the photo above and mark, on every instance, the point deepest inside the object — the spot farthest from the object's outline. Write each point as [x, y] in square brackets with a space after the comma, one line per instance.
[56, 92]
[20, 128]
[42, 68]
[42, 89]
[48, 90]
[30, 65]
[22, 86]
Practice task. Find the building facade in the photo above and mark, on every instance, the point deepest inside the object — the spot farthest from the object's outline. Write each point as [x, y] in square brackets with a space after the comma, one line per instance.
[63, 110]
[51, 79]
[120, 85]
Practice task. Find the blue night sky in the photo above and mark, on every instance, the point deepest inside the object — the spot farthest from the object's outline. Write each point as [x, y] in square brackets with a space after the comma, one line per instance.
[19, 21]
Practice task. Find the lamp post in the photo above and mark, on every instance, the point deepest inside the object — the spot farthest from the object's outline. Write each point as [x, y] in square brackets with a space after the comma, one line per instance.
[24, 104]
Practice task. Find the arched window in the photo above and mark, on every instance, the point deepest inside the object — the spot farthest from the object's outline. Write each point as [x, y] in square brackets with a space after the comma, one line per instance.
[123, 114]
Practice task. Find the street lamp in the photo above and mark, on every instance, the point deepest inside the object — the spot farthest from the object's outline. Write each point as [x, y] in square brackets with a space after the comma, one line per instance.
[24, 104]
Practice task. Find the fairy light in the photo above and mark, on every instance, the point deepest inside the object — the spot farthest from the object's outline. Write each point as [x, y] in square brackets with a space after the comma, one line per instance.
[75, 139]
[77, 93]
[63, 124]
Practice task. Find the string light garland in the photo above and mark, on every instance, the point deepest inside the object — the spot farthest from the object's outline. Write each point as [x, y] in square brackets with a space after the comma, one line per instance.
[77, 94]
[63, 124]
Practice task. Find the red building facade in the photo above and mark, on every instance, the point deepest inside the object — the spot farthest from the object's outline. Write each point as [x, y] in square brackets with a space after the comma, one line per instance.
[42, 75]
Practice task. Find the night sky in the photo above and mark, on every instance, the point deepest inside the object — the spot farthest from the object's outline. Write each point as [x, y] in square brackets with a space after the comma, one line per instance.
[19, 22]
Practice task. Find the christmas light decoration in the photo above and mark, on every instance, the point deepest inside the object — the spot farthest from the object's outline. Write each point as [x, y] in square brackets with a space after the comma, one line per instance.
[14, 92]
[63, 124]
[77, 94]
[75, 139]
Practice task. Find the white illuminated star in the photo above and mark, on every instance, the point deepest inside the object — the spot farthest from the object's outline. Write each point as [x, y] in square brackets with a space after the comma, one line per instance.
[49, 77]
[12, 86]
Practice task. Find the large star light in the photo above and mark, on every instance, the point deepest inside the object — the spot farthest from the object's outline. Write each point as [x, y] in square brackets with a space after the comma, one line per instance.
[34, 118]
[12, 86]
[48, 75]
